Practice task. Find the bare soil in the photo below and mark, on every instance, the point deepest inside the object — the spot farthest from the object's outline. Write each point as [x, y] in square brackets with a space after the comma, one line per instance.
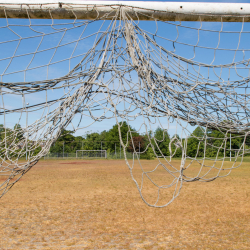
[96, 205]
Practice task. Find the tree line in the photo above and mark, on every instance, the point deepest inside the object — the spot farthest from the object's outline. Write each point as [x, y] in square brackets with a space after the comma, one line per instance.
[162, 144]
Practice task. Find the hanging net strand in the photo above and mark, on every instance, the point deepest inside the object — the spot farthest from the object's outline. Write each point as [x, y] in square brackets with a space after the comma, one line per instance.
[179, 90]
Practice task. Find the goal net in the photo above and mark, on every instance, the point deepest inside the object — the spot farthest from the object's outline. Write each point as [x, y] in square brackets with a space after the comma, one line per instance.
[80, 154]
[175, 75]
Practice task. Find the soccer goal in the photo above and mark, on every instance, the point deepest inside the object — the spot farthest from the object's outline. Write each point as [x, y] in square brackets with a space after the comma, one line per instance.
[174, 76]
[81, 154]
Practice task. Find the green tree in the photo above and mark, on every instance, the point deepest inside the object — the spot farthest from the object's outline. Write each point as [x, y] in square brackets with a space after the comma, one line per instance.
[216, 141]
[219, 140]
[12, 139]
[66, 141]
[19, 134]
[161, 142]
[2, 132]
[92, 142]
[176, 146]
[195, 143]
[112, 136]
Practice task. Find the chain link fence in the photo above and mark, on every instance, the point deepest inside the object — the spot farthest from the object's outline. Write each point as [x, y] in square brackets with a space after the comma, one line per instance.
[110, 155]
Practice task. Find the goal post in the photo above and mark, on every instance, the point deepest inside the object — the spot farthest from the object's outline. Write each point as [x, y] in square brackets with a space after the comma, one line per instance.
[165, 11]
[91, 154]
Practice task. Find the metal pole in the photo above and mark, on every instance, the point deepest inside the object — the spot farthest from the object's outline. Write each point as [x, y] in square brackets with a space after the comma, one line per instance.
[63, 149]
[230, 129]
[120, 151]
[139, 149]
[230, 148]
[101, 149]
[27, 133]
[82, 149]
[115, 151]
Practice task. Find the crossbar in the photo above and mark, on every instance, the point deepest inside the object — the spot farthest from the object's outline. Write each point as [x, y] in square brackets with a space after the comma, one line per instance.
[102, 151]
[165, 11]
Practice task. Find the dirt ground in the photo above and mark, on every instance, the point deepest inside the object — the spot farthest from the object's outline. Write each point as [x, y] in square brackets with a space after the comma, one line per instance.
[95, 204]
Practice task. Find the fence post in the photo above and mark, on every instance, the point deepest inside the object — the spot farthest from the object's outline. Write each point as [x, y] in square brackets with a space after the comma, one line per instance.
[115, 151]
[120, 150]
[63, 149]
[230, 146]
[139, 149]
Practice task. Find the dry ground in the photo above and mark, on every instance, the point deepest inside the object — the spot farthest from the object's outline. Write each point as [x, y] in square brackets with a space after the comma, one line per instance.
[95, 205]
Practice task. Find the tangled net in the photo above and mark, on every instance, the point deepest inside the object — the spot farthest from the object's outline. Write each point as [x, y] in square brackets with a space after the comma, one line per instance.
[190, 79]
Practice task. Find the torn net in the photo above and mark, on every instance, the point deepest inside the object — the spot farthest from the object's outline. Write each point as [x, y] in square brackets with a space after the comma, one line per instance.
[183, 85]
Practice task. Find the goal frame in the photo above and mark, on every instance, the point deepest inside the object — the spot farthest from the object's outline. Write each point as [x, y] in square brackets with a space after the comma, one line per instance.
[105, 153]
[165, 11]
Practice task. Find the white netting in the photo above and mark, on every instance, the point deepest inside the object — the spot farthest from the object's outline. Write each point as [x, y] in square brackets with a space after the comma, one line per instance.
[190, 79]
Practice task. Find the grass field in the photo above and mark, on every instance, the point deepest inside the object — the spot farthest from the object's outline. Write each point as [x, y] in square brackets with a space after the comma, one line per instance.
[94, 204]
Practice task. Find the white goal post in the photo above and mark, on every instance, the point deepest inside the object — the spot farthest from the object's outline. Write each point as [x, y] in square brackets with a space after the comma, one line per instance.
[165, 11]
[91, 154]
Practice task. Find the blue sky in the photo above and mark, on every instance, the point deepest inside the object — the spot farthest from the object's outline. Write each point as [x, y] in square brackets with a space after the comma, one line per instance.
[65, 43]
